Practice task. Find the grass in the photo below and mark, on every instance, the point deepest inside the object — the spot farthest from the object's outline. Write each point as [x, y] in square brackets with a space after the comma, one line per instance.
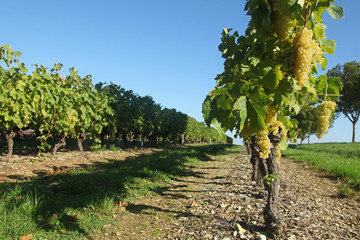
[340, 159]
[76, 204]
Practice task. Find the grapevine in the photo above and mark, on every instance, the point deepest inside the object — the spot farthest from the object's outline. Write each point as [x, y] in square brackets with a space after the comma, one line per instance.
[273, 64]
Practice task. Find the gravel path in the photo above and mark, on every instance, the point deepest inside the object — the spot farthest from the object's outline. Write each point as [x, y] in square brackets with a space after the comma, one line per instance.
[219, 201]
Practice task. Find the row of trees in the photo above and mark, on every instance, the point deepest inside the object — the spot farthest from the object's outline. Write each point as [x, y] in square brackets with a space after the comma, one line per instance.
[140, 118]
[50, 106]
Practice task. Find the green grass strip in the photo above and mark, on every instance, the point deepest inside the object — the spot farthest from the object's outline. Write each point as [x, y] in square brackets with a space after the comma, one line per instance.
[340, 159]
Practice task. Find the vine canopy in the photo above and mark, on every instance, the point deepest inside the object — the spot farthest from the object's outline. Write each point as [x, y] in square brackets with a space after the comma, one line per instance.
[273, 65]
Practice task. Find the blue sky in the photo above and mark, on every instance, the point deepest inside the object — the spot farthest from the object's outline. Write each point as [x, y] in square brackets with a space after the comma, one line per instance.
[162, 48]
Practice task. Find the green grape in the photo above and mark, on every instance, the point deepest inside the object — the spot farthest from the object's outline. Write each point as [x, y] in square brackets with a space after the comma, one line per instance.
[264, 144]
[278, 154]
[307, 52]
[270, 120]
[282, 26]
[325, 109]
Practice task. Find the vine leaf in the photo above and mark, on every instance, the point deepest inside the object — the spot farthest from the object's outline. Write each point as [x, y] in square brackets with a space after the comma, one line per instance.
[240, 105]
[272, 78]
[334, 87]
[336, 12]
[257, 113]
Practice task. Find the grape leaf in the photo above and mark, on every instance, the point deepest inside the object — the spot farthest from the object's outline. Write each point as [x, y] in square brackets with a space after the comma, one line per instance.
[240, 105]
[334, 87]
[336, 12]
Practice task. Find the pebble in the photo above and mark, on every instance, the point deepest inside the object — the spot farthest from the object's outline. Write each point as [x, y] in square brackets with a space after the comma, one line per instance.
[207, 236]
[240, 229]
[261, 237]
[243, 236]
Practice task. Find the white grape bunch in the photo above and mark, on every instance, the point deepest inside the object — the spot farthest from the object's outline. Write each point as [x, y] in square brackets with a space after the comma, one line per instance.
[307, 52]
[273, 125]
[263, 142]
[325, 109]
[282, 26]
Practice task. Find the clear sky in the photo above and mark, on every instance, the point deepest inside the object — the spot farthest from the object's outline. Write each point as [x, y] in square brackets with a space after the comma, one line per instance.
[162, 48]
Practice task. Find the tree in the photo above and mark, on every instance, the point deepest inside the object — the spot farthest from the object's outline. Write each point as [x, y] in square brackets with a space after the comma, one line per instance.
[307, 119]
[268, 75]
[349, 101]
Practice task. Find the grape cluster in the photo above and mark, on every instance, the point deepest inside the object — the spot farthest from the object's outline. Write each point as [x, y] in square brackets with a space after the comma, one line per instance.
[282, 26]
[263, 142]
[325, 109]
[271, 120]
[72, 117]
[273, 125]
[278, 154]
[307, 52]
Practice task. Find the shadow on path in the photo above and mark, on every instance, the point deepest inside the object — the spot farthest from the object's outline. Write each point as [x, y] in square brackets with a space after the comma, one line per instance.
[94, 187]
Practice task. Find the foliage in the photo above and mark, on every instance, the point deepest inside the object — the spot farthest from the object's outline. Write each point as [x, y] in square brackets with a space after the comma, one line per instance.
[259, 67]
[16, 109]
[269, 73]
[269, 179]
[54, 106]
[141, 116]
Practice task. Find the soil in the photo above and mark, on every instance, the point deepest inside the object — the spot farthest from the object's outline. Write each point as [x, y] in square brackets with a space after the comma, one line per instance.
[217, 201]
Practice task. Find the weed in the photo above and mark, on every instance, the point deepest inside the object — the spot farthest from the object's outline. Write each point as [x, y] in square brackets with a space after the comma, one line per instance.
[345, 190]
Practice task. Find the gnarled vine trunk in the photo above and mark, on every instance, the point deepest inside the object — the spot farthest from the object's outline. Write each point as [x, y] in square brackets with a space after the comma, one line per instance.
[80, 140]
[274, 224]
[10, 140]
[60, 144]
[259, 166]
[247, 145]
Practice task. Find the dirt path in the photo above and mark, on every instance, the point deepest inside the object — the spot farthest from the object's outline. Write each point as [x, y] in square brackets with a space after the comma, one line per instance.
[218, 201]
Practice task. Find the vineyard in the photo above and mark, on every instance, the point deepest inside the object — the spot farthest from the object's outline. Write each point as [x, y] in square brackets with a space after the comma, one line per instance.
[98, 161]
[48, 106]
